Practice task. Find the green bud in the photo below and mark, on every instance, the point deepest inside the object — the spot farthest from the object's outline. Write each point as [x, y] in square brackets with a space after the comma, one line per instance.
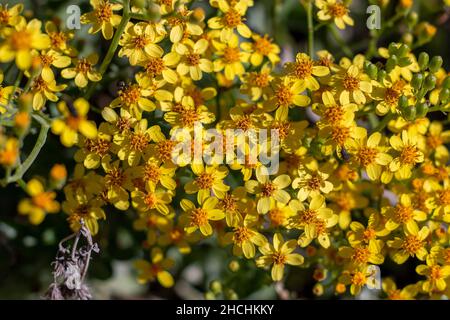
[231, 294]
[446, 83]
[233, 266]
[412, 18]
[407, 38]
[421, 109]
[424, 58]
[381, 75]
[138, 3]
[444, 95]
[372, 71]
[215, 286]
[435, 63]
[210, 296]
[404, 62]
[416, 81]
[403, 50]
[430, 82]
[409, 113]
[391, 63]
[402, 102]
[392, 48]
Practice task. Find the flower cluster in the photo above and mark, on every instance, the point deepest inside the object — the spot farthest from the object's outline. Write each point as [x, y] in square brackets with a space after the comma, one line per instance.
[363, 171]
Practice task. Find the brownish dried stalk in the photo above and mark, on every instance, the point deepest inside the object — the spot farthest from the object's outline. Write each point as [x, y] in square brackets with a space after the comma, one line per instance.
[70, 267]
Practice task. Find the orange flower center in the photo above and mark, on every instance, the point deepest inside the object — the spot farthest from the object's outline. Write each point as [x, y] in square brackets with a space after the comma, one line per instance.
[228, 203]
[303, 68]
[232, 18]
[340, 134]
[193, 59]
[241, 234]
[98, 146]
[260, 79]
[199, 217]
[279, 258]
[334, 114]
[130, 94]
[83, 66]
[412, 244]
[308, 216]
[350, 83]
[139, 142]
[283, 95]
[189, 117]
[4, 16]
[154, 67]
[277, 217]
[151, 172]
[314, 182]
[434, 141]
[115, 177]
[444, 197]
[267, 189]
[104, 11]
[231, 55]
[39, 84]
[409, 155]
[360, 255]
[283, 128]
[21, 40]
[165, 149]
[359, 279]
[338, 10]
[244, 123]
[263, 45]
[367, 155]
[205, 180]
[150, 200]
[403, 213]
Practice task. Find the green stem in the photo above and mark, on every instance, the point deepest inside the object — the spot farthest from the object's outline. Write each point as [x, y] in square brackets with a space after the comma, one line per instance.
[309, 16]
[347, 51]
[22, 169]
[112, 47]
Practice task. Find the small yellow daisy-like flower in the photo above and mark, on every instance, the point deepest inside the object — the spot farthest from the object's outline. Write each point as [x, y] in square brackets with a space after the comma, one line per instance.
[357, 278]
[352, 85]
[278, 255]
[51, 58]
[232, 19]
[255, 83]
[43, 90]
[9, 152]
[40, 203]
[369, 152]
[268, 190]
[407, 154]
[393, 293]
[230, 58]
[336, 10]
[117, 181]
[388, 95]
[404, 214]
[74, 121]
[436, 276]
[412, 244]
[199, 218]
[161, 67]
[304, 70]
[81, 207]
[192, 59]
[244, 236]
[139, 42]
[5, 94]
[59, 39]
[285, 95]
[10, 16]
[20, 41]
[209, 182]
[156, 269]
[103, 17]
[151, 199]
[261, 47]
[314, 220]
[180, 26]
[83, 71]
[312, 181]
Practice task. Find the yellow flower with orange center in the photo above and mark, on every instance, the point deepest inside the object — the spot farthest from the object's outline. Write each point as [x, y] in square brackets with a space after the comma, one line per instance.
[102, 18]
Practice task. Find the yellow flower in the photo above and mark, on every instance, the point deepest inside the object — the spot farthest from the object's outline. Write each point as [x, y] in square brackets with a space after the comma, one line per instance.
[192, 59]
[151, 199]
[393, 293]
[74, 121]
[83, 71]
[59, 39]
[244, 236]
[20, 41]
[255, 83]
[40, 203]
[230, 58]
[52, 58]
[11, 16]
[43, 90]
[209, 182]
[92, 151]
[352, 85]
[369, 152]
[357, 278]
[139, 42]
[304, 70]
[436, 139]
[312, 181]
[117, 181]
[198, 218]
[436, 276]
[9, 152]
[268, 191]
[361, 255]
[180, 26]
[160, 67]
[102, 18]
[336, 10]
[81, 207]
[157, 269]
[412, 244]
[5, 94]
[407, 154]
[404, 214]
[232, 19]
[260, 48]
[314, 220]
[279, 254]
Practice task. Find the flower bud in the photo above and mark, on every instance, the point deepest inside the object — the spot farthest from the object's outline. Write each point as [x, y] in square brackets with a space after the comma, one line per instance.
[231, 294]
[412, 19]
[403, 50]
[446, 83]
[404, 62]
[210, 296]
[215, 286]
[424, 58]
[435, 63]
[444, 95]
[421, 109]
[402, 102]
[391, 63]
[233, 266]
[381, 75]
[430, 82]
[409, 113]
[416, 81]
[392, 48]
[372, 71]
[407, 38]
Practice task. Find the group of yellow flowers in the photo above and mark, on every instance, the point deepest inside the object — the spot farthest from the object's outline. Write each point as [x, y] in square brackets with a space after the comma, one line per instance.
[363, 175]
